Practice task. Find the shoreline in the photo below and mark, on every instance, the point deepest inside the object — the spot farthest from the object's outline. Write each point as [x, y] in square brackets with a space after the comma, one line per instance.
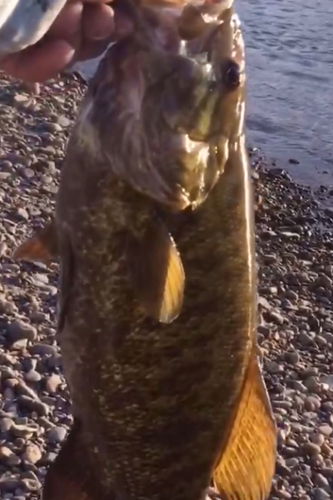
[294, 239]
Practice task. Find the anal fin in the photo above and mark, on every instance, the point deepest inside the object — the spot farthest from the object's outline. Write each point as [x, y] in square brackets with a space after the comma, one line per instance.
[42, 246]
[70, 476]
[247, 462]
[156, 272]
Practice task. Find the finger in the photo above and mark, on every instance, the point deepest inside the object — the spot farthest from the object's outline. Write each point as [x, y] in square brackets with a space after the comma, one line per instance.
[40, 62]
[94, 48]
[90, 50]
[68, 23]
[97, 22]
[121, 27]
[91, 1]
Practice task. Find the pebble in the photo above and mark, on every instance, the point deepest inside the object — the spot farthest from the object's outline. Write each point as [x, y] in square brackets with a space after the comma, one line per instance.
[325, 430]
[33, 376]
[33, 405]
[317, 438]
[7, 372]
[18, 330]
[6, 424]
[23, 430]
[328, 336]
[313, 384]
[327, 472]
[324, 281]
[32, 453]
[8, 457]
[292, 462]
[29, 173]
[56, 434]
[292, 357]
[52, 383]
[7, 306]
[320, 494]
[43, 350]
[32, 485]
[306, 339]
[321, 481]
[23, 388]
[10, 483]
[22, 214]
[63, 121]
[3, 249]
[19, 345]
[273, 367]
[311, 449]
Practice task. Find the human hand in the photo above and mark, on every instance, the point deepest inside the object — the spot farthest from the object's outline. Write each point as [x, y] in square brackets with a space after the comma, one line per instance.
[82, 30]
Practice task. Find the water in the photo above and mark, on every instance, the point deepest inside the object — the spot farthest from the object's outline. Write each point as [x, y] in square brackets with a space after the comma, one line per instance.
[289, 47]
[290, 68]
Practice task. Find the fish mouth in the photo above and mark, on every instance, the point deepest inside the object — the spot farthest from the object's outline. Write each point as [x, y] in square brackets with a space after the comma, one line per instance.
[238, 52]
[188, 87]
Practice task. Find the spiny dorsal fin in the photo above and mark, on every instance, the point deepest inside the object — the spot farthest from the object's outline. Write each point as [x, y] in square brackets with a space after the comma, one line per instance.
[157, 272]
[42, 246]
[247, 462]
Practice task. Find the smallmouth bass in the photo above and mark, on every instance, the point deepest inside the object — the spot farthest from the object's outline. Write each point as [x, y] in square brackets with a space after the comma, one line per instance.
[157, 312]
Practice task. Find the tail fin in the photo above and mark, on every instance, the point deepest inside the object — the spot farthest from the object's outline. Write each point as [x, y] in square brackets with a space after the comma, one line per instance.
[247, 463]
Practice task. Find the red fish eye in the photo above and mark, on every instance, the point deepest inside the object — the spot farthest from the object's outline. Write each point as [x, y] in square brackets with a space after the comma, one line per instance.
[231, 74]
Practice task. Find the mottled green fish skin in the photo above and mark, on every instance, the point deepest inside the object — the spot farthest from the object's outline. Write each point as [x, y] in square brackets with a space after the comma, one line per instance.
[154, 400]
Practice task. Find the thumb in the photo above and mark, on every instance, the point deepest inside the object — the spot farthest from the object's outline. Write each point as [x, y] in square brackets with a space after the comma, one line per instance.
[39, 63]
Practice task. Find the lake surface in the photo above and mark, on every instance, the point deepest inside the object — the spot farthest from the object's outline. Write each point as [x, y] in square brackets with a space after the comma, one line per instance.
[289, 46]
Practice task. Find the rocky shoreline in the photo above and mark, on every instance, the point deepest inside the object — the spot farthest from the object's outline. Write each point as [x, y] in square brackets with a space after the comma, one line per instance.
[295, 249]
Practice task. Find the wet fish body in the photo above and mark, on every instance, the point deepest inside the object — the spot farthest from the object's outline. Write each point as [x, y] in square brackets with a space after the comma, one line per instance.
[157, 321]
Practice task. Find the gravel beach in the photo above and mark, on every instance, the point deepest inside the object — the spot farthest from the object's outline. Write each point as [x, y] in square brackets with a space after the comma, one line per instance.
[295, 255]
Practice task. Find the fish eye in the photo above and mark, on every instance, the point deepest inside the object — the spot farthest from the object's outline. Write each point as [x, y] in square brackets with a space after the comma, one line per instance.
[231, 74]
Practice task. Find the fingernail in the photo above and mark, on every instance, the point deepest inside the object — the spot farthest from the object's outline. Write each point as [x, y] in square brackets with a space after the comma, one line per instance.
[98, 24]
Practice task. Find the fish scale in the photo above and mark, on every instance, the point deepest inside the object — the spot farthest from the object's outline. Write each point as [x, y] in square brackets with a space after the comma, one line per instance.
[157, 309]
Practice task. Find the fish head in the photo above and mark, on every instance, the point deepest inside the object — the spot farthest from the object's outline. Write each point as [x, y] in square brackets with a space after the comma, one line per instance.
[206, 97]
[121, 123]
[203, 100]
[162, 109]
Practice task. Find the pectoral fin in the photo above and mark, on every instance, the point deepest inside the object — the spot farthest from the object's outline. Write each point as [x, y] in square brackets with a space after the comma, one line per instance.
[42, 246]
[247, 462]
[157, 273]
[71, 476]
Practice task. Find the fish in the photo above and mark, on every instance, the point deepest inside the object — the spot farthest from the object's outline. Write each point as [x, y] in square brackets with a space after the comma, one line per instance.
[154, 229]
